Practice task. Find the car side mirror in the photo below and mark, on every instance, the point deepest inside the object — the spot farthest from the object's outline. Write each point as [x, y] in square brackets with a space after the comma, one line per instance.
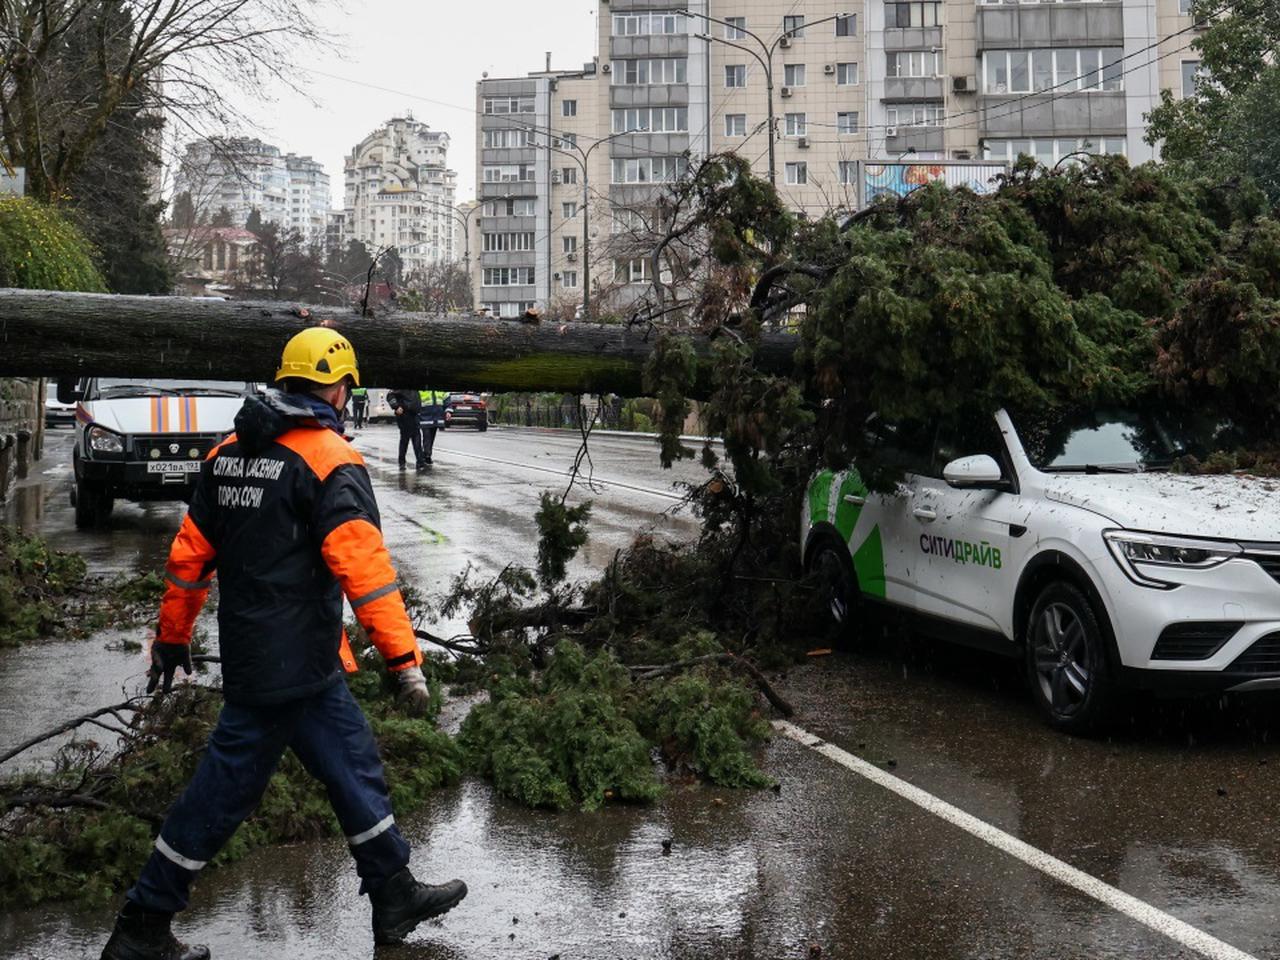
[973, 473]
[68, 391]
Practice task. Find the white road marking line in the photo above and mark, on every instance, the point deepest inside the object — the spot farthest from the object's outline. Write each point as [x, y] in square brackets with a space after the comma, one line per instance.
[1163, 923]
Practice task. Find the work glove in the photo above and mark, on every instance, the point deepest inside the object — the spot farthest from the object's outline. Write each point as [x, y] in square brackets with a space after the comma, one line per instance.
[414, 694]
[166, 658]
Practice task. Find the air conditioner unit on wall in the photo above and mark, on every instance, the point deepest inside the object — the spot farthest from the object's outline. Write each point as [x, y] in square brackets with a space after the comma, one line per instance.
[803, 143]
[964, 84]
[606, 68]
[829, 69]
[784, 43]
[786, 92]
[572, 258]
[890, 131]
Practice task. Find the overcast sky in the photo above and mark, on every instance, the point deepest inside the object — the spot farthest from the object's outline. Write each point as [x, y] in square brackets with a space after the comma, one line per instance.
[425, 51]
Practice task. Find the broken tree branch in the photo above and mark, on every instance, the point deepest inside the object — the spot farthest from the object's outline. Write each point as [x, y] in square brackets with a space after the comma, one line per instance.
[652, 672]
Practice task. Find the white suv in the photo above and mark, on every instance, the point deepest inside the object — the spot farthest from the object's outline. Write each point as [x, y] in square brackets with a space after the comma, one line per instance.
[1068, 542]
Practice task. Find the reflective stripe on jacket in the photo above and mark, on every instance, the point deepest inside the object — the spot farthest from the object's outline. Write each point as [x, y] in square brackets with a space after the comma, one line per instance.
[432, 412]
[285, 513]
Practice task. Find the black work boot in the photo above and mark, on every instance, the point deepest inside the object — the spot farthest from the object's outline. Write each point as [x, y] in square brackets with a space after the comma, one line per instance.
[402, 903]
[145, 935]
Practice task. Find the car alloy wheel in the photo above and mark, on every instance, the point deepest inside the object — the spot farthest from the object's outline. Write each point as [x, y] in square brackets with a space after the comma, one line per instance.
[1062, 658]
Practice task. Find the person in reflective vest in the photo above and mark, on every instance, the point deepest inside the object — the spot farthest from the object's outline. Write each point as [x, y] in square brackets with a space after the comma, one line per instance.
[430, 418]
[360, 406]
[284, 515]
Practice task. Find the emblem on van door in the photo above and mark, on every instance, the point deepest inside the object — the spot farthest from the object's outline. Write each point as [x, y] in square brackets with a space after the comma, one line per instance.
[174, 448]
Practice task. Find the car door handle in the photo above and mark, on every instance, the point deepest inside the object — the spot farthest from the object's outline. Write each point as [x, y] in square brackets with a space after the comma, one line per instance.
[856, 500]
[925, 514]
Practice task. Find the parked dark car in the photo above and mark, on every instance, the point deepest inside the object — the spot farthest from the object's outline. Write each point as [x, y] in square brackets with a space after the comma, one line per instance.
[466, 410]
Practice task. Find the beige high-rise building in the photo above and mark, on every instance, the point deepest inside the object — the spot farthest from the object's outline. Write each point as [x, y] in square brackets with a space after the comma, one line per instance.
[867, 97]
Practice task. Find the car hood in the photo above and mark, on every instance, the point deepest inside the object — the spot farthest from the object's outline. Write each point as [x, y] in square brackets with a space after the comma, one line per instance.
[1222, 507]
[168, 414]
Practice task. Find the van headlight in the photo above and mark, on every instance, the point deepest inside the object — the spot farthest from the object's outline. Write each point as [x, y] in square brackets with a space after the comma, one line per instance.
[102, 440]
[1141, 555]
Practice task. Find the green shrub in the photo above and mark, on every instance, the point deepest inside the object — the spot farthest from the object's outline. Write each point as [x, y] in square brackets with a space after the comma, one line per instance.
[41, 250]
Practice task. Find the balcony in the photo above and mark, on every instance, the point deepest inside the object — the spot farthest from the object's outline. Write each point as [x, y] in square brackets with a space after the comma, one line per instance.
[913, 88]
[1047, 115]
[1050, 25]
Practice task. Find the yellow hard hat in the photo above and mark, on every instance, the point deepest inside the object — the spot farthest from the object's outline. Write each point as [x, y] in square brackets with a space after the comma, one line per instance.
[320, 355]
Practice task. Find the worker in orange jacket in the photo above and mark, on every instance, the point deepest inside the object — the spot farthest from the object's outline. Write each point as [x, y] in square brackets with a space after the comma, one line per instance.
[284, 514]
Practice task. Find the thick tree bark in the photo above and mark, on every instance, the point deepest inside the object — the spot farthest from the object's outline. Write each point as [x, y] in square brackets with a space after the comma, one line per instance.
[54, 334]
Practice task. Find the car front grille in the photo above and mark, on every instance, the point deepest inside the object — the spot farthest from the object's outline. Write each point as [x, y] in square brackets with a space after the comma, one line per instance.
[1262, 658]
[1194, 640]
[1270, 564]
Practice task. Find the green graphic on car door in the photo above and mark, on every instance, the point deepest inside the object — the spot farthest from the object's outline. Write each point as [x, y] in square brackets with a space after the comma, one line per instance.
[843, 514]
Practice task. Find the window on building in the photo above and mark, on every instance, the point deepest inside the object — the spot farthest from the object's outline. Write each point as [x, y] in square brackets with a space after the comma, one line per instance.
[735, 28]
[793, 26]
[632, 271]
[735, 75]
[847, 123]
[569, 244]
[1184, 8]
[1050, 151]
[568, 174]
[649, 23]
[630, 221]
[507, 172]
[507, 242]
[630, 73]
[1190, 77]
[847, 26]
[568, 108]
[507, 276]
[501, 105]
[797, 173]
[651, 120]
[735, 124]
[848, 171]
[793, 75]
[565, 140]
[846, 74]
[797, 124]
[569, 209]
[914, 63]
[915, 13]
[915, 115]
[648, 169]
[569, 279]
[1062, 70]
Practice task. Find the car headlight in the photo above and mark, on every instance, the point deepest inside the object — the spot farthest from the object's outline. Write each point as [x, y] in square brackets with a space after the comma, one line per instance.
[1142, 555]
[102, 440]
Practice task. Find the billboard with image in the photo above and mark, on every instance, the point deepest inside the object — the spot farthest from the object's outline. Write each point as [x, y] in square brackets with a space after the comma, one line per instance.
[899, 179]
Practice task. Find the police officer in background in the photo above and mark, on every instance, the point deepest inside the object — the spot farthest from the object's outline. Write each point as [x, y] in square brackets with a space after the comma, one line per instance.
[284, 515]
[430, 418]
[406, 403]
[360, 406]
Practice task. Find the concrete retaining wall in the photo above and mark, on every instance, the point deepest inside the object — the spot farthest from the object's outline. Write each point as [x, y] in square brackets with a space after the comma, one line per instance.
[21, 429]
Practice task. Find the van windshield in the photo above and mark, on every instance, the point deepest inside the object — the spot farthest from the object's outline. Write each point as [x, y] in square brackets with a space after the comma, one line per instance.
[1120, 440]
[108, 388]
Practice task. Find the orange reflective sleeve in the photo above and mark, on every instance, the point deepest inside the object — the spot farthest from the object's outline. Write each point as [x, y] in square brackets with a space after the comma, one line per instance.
[354, 551]
[189, 572]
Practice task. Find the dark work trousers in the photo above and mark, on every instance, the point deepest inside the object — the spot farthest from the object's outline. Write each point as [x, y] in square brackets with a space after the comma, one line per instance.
[428, 439]
[360, 410]
[331, 737]
[408, 424]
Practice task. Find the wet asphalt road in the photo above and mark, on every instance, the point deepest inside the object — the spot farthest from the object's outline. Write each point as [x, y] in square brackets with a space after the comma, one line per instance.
[1177, 808]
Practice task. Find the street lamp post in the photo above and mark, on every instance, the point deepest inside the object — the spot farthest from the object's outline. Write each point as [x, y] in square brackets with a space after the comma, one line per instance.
[582, 158]
[765, 61]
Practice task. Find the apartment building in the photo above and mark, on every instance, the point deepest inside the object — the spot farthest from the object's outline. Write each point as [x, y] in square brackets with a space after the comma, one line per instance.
[244, 174]
[537, 170]
[401, 193]
[861, 93]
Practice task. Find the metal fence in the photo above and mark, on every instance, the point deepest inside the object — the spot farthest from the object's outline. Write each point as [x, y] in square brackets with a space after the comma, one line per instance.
[569, 413]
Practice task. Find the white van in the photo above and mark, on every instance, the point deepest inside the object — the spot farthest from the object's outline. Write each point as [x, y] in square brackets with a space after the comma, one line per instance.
[139, 439]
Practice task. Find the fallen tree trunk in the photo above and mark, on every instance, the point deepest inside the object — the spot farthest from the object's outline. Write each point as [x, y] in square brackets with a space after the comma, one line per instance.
[54, 334]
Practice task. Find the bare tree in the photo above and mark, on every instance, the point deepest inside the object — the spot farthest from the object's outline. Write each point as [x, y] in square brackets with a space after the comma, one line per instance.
[56, 100]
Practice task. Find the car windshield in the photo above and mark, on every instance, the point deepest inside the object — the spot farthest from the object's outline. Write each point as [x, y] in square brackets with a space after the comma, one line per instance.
[1121, 440]
[119, 387]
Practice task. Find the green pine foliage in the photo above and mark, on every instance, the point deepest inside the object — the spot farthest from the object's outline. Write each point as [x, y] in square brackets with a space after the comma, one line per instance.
[41, 250]
[35, 582]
